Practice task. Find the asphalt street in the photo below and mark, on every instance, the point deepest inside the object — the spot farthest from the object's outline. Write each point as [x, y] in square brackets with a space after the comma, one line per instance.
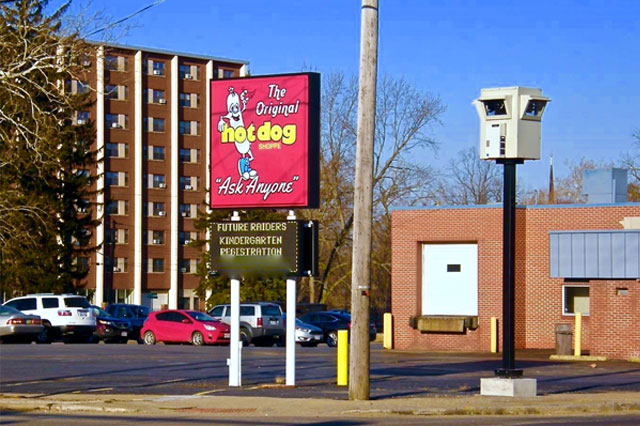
[186, 370]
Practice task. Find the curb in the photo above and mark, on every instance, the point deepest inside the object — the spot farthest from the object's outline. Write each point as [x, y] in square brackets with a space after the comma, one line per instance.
[578, 358]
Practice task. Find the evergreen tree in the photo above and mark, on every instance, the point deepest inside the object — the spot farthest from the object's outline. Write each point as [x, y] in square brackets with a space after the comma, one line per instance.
[44, 156]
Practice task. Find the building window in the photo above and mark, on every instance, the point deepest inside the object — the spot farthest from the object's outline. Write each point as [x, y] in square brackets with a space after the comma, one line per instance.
[116, 121]
[76, 87]
[82, 263]
[155, 265]
[153, 237]
[156, 153]
[116, 178]
[189, 72]
[155, 181]
[156, 209]
[151, 67]
[117, 207]
[154, 124]
[189, 155]
[117, 150]
[189, 183]
[189, 211]
[117, 265]
[575, 299]
[115, 63]
[189, 100]
[188, 266]
[154, 96]
[116, 236]
[81, 117]
[118, 93]
[191, 128]
[223, 73]
[187, 237]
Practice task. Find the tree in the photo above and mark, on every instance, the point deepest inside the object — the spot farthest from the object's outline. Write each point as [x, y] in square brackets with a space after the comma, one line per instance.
[404, 118]
[470, 180]
[44, 186]
[631, 162]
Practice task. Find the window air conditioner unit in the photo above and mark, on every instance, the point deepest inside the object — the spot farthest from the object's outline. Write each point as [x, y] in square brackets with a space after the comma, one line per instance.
[156, 241]
[187, 242]
[185, 214]
[157, 72]
[183, 270]
[162, 213]
[162, 101]
[81, 122]
[187, 187]
[162, 186]
[86, 63]
[188, 77]
[116, 269]
[116, 126]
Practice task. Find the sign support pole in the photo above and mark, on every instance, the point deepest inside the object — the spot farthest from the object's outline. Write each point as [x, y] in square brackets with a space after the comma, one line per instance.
[235, 346]
[290, 379]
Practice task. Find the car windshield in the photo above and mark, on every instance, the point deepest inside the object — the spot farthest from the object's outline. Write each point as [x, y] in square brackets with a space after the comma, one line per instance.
[200, 316]
[8, 310]
[271, 310]
[141, 311]
[76, 302]
[99, 312]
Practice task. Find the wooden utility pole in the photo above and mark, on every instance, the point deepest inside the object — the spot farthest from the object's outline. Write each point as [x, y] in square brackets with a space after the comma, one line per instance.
[362, 205]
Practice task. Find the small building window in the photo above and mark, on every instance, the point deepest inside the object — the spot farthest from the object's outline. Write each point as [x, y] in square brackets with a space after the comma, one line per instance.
[575, 299]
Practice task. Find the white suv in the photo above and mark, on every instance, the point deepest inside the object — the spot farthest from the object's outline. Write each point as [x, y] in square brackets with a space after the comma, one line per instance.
[261, 323]
[63, 315]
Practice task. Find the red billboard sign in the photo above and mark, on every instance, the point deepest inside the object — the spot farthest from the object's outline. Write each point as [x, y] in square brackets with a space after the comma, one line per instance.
[265, 141]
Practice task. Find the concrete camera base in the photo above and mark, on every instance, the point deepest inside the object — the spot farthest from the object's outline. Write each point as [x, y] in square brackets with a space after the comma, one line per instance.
[498, 386]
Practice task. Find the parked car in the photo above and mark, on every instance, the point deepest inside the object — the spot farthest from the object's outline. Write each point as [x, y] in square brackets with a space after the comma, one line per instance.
[63, 315]
[330, 323]
[16, 326]
[182, 326]
[306, 334]
[111, 329]
[261, 323]
[135, 314]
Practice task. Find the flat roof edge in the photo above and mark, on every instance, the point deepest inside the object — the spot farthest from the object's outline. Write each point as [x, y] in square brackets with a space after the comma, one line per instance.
[499, 206]
[170, 52]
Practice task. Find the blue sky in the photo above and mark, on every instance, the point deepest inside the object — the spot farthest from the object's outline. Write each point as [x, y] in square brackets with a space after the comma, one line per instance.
[584, 55]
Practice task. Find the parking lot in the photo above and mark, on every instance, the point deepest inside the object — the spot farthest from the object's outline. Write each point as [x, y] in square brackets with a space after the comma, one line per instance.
[188, 370]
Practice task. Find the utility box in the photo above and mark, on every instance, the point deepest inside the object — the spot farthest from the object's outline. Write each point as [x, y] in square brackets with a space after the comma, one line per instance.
[510, 119]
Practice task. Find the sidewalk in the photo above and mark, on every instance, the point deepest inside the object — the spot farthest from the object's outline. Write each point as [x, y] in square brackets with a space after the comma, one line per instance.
[212, 406]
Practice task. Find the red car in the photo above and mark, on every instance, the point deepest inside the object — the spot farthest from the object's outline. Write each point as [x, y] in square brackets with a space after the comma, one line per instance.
[184, 326]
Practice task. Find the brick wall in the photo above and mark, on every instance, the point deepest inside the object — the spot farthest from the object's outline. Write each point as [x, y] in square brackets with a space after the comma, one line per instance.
[612, 327]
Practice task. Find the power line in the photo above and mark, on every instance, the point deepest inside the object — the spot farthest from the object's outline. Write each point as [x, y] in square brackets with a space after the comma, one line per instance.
[119, 21]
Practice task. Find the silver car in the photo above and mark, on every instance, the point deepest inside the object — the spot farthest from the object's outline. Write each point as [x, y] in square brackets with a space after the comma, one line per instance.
[16, 325]
[306, 334]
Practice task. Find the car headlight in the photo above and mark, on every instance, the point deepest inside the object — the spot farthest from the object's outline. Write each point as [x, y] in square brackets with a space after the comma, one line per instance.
[209, 327]
[103, 322]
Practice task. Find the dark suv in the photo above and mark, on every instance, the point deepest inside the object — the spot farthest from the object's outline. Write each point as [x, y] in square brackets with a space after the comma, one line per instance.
[330, 322]
[135, 314]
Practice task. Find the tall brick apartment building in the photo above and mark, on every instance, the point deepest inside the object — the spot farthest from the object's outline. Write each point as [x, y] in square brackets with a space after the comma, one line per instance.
[150, 113]
[447, 276]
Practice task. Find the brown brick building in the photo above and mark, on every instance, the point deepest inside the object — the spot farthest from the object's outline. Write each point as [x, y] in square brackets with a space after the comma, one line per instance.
[151, 116]
[420, 238]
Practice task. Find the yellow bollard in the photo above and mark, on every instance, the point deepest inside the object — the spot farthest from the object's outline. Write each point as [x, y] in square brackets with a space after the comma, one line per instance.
[494, 334]
[388, 331]
[577, 344]
[343, 357]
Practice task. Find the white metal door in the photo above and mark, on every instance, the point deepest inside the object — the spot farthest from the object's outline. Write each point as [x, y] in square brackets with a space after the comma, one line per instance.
[450, 279]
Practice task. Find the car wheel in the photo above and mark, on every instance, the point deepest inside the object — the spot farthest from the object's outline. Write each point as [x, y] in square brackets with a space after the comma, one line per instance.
[245, 337]
[197, 339]
[149, 338]
[45, 335]
[332, 339]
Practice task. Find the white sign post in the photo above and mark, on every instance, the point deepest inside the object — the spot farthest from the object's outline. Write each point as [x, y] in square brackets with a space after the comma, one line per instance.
[290, 378]
[235, 346]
